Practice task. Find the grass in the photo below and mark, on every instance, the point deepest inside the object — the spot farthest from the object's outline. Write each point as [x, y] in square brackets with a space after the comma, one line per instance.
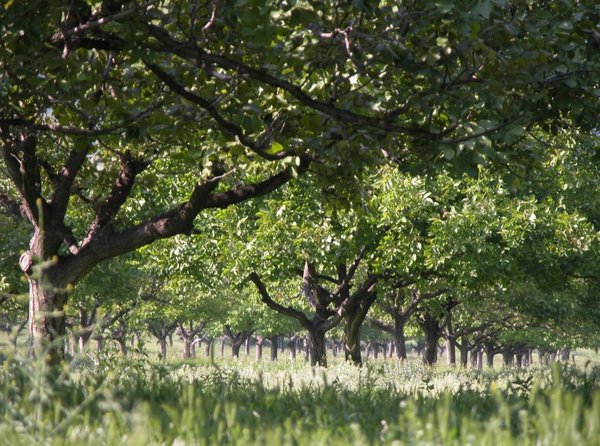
[106, 400]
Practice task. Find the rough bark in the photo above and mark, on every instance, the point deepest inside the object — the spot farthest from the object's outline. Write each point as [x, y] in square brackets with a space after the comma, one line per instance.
[431, 329]
[259, 347]
[316, 346]
[163, 349]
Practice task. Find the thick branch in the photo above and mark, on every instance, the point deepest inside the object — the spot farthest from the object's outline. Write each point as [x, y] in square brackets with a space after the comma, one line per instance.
[287, 311]
[130, 168]
[345, 284]
[21, 162]
[382, 326]
[64, 182]
[247, 191]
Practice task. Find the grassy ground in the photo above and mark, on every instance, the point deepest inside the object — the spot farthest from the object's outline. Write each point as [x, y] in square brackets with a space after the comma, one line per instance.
[106, 400]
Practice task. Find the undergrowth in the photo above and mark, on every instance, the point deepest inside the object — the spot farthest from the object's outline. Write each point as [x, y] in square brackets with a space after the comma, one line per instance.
[107, 400]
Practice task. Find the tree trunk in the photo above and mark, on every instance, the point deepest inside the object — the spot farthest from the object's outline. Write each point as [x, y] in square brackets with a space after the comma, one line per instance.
[222, 346]
[450, 350]
[352, 351]
[400, 337]
[431, 329]
[508, 356]
[519, 358]
[390, 349]
[163, 348]
[208, 348]
[247, 346]
[306, 350]
[490, 353]
[354, 318]
[235, 349]
[479, 362]
[464, 353]
[259, 347]
[316, 346]
[187, 347]
[46, 321]
[274, 340]
[292, 346]
[375, 350]
[122, 345]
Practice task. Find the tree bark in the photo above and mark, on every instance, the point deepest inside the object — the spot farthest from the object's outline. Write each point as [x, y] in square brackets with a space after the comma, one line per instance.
[47, 321]
[292, 346]
[122, 345]
[273, 340]
[450, 350]
[464, 353]
[354, 317]
[431, 330]
[187, 348]
[259, 347]
[163, 349]
[352, 351]
[316, 347]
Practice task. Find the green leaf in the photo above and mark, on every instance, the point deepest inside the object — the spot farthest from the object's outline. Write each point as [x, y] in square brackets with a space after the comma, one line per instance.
[275, 148]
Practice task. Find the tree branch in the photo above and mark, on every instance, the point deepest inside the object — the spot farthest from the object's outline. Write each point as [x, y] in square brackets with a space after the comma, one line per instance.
[257, 147]
[121, 190]
[266, 298]
[247, 191]
[64, 182]
[344, 285]
[200, 57]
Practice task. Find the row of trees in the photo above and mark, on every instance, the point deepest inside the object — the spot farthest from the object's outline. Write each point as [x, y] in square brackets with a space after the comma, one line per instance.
[125, 124]
[472, 261]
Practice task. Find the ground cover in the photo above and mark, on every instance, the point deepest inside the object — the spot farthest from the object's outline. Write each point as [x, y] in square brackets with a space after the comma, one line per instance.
[106, 400]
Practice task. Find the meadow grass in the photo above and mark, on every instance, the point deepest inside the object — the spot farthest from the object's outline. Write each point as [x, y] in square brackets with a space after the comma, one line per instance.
[102, 399]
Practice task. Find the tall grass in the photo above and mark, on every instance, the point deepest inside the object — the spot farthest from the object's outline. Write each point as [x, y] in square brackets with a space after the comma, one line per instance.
[106, 400]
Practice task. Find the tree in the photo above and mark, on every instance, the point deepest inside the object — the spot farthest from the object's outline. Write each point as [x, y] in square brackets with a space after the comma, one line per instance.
[95, 95]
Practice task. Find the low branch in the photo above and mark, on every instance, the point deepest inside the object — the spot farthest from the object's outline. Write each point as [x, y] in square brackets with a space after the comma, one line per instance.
[247, 191]
[381, 326]
[266, 298]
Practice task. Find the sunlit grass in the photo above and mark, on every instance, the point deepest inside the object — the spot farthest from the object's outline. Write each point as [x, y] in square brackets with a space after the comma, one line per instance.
[106, 400]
